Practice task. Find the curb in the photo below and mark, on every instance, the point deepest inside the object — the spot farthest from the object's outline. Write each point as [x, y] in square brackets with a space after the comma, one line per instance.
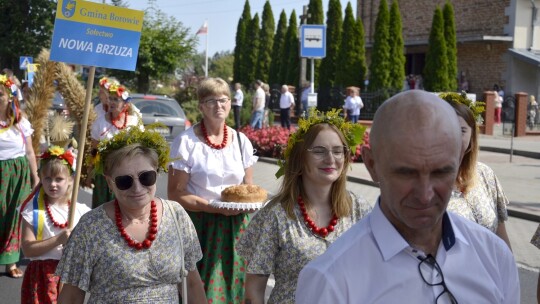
[528, 154]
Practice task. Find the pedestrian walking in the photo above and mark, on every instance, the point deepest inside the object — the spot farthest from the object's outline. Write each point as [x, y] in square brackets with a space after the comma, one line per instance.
[286, 103]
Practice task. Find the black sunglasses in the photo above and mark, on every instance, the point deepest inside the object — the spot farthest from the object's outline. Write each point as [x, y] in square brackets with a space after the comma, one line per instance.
[146, 178]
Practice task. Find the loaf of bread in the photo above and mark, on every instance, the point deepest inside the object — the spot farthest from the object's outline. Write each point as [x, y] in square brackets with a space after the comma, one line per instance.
[244, 194]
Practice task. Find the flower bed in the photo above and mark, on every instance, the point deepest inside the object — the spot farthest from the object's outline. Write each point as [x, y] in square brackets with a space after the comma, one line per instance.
[268, 142]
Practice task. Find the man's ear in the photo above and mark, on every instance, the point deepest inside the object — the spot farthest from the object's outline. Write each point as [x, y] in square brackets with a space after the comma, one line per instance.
[369, 162]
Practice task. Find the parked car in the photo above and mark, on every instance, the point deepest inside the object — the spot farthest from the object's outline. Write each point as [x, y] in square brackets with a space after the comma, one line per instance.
[162, 109]
[59, 105]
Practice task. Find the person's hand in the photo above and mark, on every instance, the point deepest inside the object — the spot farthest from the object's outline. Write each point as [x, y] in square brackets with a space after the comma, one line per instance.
[64, 236]
[230, 212]
[88, 182]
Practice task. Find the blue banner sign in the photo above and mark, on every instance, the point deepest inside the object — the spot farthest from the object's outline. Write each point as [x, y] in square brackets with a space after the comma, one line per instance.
[94, 34]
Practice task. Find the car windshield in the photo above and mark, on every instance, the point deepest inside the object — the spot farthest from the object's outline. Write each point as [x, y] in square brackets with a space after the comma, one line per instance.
[156, 109]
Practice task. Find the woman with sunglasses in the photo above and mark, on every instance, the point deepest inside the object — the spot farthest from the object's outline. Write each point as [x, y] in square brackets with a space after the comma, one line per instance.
[478, 194]
[136, 248]
[210, 157]
[119, 116]
[18, 173]
[311, 210]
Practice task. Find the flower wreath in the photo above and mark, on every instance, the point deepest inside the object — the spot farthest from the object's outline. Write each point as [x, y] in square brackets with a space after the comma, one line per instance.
[116, 89]
[12, 87]
[148, 138]
[477, 107]
[67, 156]
[354, 133]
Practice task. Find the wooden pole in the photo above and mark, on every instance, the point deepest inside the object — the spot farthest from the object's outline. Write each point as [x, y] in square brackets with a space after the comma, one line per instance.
[82, 142]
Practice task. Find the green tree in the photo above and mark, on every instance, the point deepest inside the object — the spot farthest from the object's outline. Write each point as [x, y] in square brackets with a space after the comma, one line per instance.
[436, 68]
[239, 68]
[266, 43]
[316, 16]
[351, 59]
[291, 69]
[26, 29]
[334, 21]
[165, 46]
[221, 66]
[277, 50]
[379, 68]
[451, 45]
[397, 46]
[252, 48]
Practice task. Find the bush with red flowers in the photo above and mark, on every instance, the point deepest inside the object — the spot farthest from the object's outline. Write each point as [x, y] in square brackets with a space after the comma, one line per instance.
[269, 141]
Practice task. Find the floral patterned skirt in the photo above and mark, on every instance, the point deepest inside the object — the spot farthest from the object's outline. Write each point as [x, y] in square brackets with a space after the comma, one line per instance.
[40, 285]
[15, 186]
[101, 193]
[221, 268]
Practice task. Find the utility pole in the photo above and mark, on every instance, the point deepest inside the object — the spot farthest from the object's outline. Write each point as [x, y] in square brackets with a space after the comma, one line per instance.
[303, 20]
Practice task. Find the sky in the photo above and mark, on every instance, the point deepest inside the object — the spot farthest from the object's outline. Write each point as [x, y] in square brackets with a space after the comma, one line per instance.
[222, 16]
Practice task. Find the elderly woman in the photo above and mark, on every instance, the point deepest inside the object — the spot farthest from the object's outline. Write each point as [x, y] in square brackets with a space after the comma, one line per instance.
[312, 209]
[210, 157]
[18, 173]
[479, 195]
[119, 116]
[132, 249]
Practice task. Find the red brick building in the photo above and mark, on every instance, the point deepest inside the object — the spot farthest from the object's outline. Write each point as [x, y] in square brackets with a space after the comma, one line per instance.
[498, 40]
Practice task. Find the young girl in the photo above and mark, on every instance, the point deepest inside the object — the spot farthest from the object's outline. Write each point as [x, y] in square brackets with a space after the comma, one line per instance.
[45, 225]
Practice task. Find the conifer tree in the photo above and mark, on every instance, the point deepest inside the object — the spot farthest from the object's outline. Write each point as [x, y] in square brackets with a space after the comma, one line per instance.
[277, 50]
[240, 47]
[351, 59]
[316, 16]
[380, 56]
[436, 68]
[291, 68]
[266, 43]
[334, 22]
[451, 45]
[397, 46]
[252, 48]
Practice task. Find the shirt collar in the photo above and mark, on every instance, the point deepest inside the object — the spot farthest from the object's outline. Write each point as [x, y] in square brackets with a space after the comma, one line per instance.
[389, 240]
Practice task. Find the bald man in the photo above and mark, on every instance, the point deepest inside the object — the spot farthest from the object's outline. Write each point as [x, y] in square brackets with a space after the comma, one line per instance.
[399, 253]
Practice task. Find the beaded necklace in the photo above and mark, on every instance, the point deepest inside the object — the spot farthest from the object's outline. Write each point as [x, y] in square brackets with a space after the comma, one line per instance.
[207, 139]
[49, 213]
[324, 231]
[152, 229]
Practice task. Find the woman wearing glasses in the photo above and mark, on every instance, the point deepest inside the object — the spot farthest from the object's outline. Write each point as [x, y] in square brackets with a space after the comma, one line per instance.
[119, 116]
[136, 248]
[311, 210]
[208, 158]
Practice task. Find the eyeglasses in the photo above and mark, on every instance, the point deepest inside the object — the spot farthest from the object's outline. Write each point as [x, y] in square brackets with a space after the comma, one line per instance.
[425, 272]
[320, 152]
[146, 178]
[214, 102]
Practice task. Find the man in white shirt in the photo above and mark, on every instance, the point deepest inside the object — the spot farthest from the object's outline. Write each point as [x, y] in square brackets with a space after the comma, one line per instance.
[409, 249]
[286, 102]
[258, 106]
[237, 104]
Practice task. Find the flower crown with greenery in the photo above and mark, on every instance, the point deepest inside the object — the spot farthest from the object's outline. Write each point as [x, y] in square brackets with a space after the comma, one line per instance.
[354, 133]
[12, 87]
[477, 107]
[148, 138]
[55, 152]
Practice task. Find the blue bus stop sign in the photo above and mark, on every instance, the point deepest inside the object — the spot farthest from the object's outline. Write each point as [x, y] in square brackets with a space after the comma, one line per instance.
[313, 41]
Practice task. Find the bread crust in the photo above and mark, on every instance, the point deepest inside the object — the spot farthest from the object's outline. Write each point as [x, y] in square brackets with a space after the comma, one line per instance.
[244, 194]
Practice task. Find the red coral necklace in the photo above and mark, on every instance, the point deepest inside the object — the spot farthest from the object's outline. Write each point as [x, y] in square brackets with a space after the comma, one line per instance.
[207, 139]
[323, 232]
[49, 213]
[3, 124]
[114, 120]
[152, 229]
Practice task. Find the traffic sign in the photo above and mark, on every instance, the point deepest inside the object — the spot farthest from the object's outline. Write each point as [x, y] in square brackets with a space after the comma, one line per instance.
[313, 41]
[24, 61]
